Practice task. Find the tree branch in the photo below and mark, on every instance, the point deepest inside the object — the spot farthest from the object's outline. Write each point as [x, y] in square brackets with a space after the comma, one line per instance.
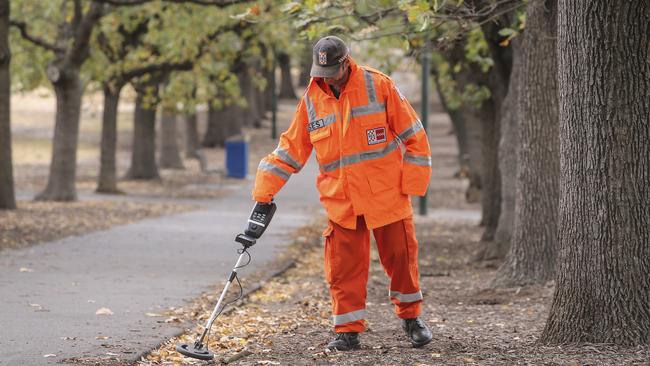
[218, 3]
[78, 13]
[22, 27]
[80, 47]
[163, 67]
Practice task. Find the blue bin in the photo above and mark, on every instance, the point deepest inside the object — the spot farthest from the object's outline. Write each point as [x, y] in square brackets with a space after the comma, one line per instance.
[237, 157]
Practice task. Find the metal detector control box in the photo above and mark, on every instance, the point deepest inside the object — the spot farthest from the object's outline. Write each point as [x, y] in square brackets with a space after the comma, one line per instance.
[260, 219]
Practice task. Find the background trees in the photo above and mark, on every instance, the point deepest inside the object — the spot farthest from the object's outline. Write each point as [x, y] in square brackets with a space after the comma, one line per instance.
[7, 197]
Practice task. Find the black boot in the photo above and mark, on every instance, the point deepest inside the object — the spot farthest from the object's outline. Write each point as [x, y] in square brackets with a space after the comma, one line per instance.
[345, 341]
[418, 332]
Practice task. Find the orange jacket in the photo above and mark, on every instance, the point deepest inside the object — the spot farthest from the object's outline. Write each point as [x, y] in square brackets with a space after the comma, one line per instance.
[370, 145]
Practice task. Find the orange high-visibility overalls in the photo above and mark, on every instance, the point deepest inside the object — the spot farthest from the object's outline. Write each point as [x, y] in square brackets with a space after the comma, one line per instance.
[373, 153]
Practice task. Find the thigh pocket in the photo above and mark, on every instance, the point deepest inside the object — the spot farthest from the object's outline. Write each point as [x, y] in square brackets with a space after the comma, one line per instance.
[329, 253]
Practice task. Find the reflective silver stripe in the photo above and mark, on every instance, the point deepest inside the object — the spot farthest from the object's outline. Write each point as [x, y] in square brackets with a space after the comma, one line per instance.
[349, 317]
[367, 109]
[406, 297]
[268, 167]
[415, 127]
[284, 155]
[372, 106]
[311, 112]
[417, 160]
[364, 156]
[370, 87]
[329, 119]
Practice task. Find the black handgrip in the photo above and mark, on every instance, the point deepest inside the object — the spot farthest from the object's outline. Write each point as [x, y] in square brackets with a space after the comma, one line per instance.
[260, 219]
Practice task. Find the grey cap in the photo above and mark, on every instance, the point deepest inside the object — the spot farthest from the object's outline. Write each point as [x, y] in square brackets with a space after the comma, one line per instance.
[329, 53]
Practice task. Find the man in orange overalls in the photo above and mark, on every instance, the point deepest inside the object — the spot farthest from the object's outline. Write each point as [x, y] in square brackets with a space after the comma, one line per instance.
[373, 153]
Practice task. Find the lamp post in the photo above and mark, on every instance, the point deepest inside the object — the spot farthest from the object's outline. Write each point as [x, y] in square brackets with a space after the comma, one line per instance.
[426, 57]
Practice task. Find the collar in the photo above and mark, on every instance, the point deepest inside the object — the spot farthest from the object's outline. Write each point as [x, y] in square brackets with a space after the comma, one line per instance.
[355, 79]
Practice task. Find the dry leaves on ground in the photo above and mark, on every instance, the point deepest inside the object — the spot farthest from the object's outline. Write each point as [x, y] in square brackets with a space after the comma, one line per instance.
[38, 222]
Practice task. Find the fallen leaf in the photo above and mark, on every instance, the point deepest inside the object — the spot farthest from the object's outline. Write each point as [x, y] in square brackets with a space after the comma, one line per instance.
[104, 311]
[102, 337]
[172, 319]
[25, 269]
[152, 314]
[49, 355]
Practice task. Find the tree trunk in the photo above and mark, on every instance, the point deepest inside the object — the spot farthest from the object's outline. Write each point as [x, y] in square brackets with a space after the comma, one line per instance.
[471, 121]
[305, 64]
[508, 160]
[143, 151]
[107, 181]
[491, 178]
[170, 156]
[532, 254]
[460, 130]
[251, 114]
[7, 195]
[61, 182]
[269, 74]
[602, 292]
[191, 136]
[286, 84]
[221, 125]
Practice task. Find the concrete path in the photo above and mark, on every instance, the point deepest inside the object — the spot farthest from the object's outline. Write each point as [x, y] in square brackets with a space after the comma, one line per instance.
[50, 292]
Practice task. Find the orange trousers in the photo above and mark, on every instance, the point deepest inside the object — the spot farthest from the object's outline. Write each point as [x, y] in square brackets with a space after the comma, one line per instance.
[347, 259]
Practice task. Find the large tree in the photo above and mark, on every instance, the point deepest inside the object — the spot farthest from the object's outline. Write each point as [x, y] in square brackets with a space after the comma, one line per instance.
[7, 196]
[532, 252]
[71, 48]
[602, 289]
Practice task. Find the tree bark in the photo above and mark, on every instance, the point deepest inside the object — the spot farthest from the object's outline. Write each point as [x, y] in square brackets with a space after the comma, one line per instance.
[191, 136]
[497, 80]
[491, 178]
[251, 114]
[286, 84]
[170, 156]
[508, 160]
[61, 182]
[532, 254]
[602, 289]
[269, 74]
[221, 125]
[107, 181]
[143, 151]
[305, 64]
[7, 194]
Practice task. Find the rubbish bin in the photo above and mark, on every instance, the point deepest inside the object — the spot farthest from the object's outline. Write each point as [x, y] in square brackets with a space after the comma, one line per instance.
[237, 156]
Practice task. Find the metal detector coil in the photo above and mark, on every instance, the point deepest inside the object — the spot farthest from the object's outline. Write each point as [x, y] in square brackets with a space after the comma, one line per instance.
[258, 221]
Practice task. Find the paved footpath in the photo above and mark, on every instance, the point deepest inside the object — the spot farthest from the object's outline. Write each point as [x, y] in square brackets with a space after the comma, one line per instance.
[48, 307]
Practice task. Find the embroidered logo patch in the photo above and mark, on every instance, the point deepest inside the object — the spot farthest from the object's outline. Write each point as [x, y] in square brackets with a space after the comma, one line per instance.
[319, 123]
[322, 57]
[376, 135]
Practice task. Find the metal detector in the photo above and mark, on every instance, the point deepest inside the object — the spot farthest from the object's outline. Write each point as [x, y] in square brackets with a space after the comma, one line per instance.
[259, 220]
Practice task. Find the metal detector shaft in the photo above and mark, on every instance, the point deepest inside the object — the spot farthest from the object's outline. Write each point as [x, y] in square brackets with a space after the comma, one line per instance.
[215, 312]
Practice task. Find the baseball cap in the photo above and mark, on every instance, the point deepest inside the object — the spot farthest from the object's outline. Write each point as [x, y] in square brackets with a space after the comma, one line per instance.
[329, 53]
